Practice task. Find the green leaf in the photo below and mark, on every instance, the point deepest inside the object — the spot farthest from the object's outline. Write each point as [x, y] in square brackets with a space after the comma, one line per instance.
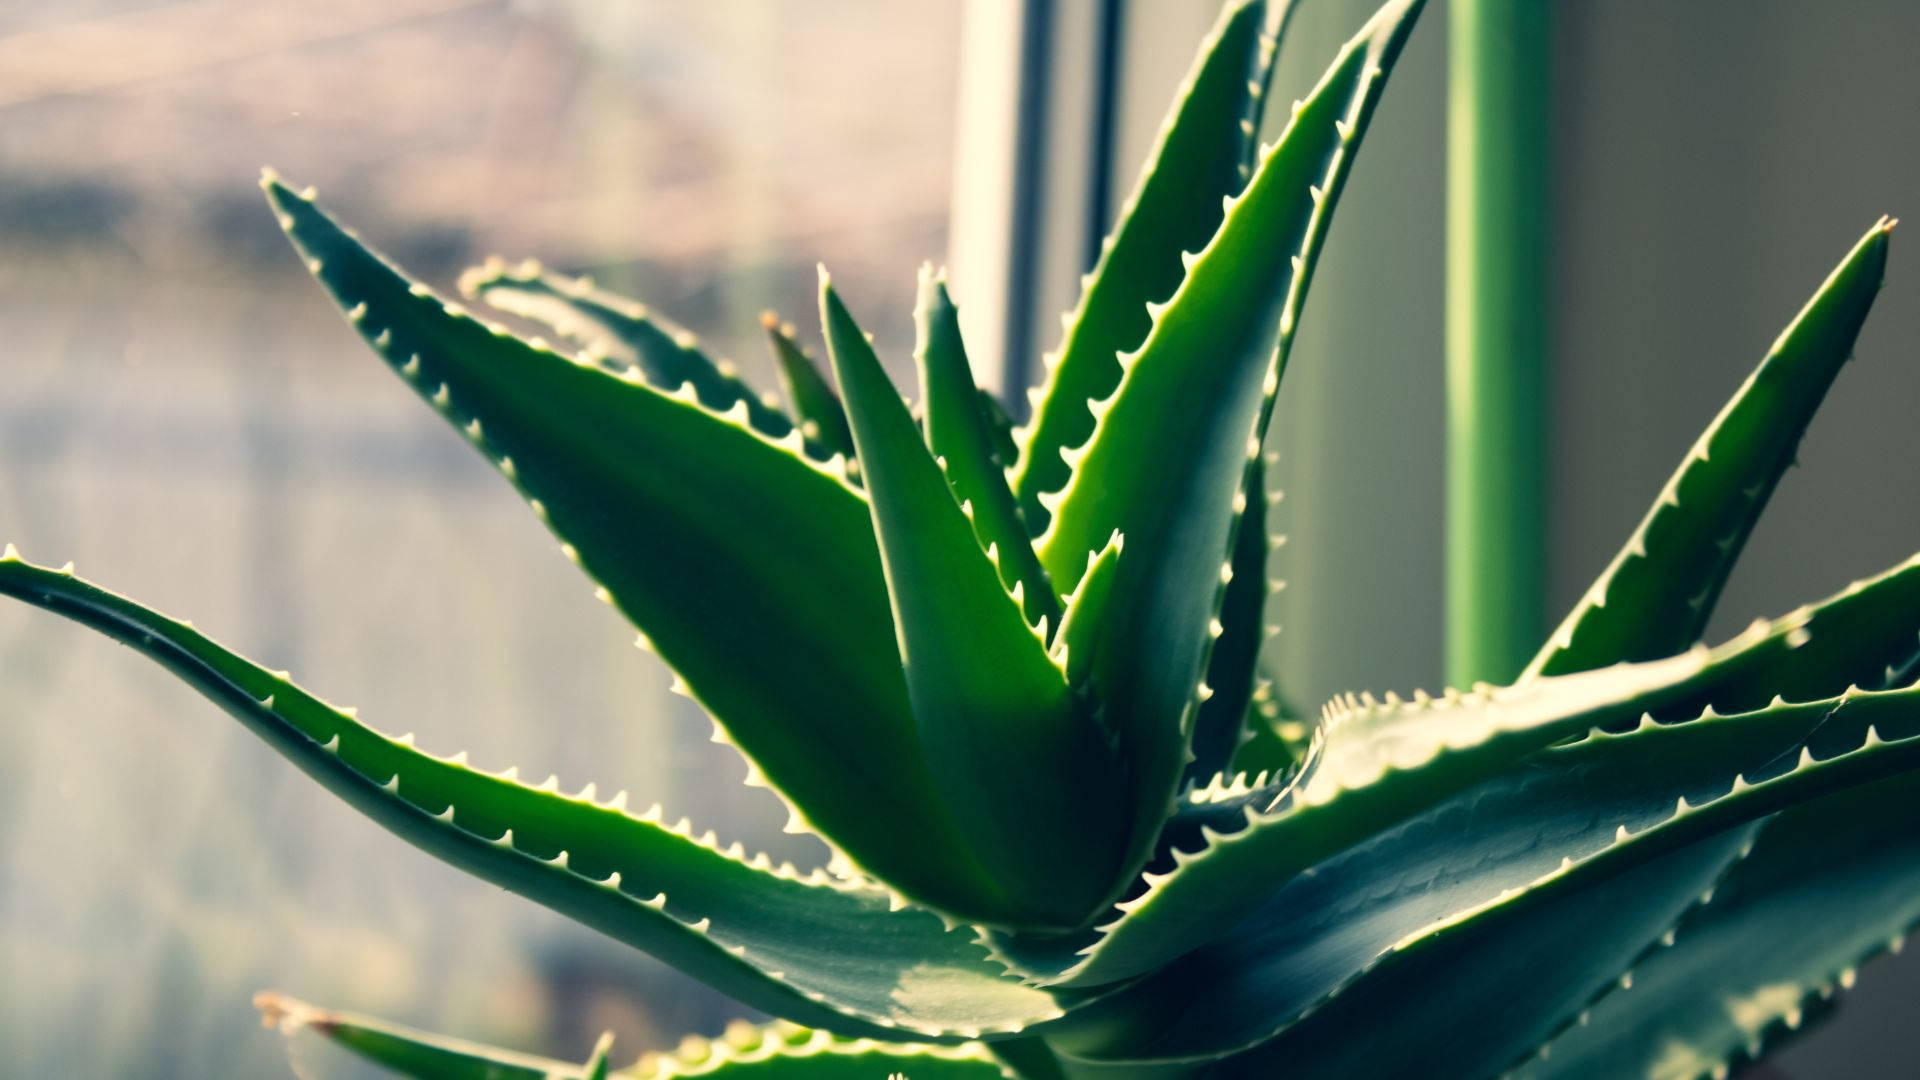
[1859, 637]
[413, 1053]
[1175, 206]
[808, 391]
[1576, 818]
[960, 434]
[812, 948]
[1654, 598]
[745, 1052]
[616, 328]
[1169, 452]
[1220, 726]
[1007, 743]
[1377, 764]
[786, 1052]
[725, 548]
[1827, 886]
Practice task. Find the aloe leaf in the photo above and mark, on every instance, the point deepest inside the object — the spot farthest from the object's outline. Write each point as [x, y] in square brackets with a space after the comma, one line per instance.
[413, 1053]
[1175, 206]
[1654, 598]
[812, 948]
[747, 1051]
[808, 391]
[1827, 886]
[785, 1052]
[724, 548]
[1374, 765]
[1006, 741]
[1220, 725]
[624, 330]
[1168, 456]
[1609, 806]
[1861, 637]
[960, 434]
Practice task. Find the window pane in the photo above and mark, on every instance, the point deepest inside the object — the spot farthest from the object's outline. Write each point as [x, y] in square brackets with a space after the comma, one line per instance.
[186, 416]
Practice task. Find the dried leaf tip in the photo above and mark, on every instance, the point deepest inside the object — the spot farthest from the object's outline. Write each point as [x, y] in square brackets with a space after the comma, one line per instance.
[287, 1014]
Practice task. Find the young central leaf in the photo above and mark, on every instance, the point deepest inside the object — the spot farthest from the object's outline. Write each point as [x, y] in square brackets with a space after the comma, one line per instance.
[1033, 786]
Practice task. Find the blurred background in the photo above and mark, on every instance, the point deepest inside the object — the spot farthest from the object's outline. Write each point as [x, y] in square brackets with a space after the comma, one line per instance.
[185, 415]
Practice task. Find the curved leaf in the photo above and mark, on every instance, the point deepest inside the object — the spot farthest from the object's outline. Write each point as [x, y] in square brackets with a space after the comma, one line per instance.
[413, 1053]
[746, 1051]
[616, 328]
[961, 435]
[1168, 456]
[1857, 638]
[1374, 766]
[1034, 787]
[785, 1052]
[1377, 764]
[1826, 886]
[1174, 208]
[1575, 820]
[1654, 598]
[812, 948]
[723, 547]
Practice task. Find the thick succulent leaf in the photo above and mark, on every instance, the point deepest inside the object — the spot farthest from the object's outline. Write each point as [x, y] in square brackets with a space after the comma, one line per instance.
[1006, 742]
[1174, 208]
[1654, 598]
[1168, 456]
[785, 1052]
[960, 434]
[812, 948]
[725, 548]
[1415, 1024]
[1827, 885]
[814, 403]
[615, 328]
[1220, 725]
[750, 1052]
[412, 1053]
[1576, 818]
[1373, 766]
[1860, 637]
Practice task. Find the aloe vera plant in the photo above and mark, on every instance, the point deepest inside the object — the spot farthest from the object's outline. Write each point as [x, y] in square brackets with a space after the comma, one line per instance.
[1012, 678]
